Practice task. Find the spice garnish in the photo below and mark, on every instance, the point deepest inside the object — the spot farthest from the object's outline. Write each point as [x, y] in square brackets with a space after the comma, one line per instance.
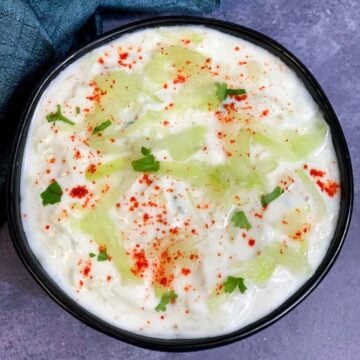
[232, 283]
[58, 116]
[266, 199]
[101, 127]
[166, 298]
[240, 220]
[222, 91]
[52, 194]
[148, 163]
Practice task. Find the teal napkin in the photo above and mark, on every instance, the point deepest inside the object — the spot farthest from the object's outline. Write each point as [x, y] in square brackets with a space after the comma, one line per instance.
[34, 30]
[33, 33]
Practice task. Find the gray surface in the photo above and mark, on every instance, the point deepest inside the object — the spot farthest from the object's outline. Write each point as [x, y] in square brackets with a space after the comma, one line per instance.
[324, 35]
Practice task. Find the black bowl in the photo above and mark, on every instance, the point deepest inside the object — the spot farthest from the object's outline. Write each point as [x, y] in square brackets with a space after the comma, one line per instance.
[57, 294]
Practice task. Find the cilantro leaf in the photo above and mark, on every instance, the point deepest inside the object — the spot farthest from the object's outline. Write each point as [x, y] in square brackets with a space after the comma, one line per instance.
[166, 298]
[240, 220]
[101, 127]
[236, 91]
[91, 254]
[222, 91]
[148, 163]
[77, 109]
[241, 285]
[266, 199]
[102, 256]
[145, 151]
[52, 194]
[232, 283]
[58, 116]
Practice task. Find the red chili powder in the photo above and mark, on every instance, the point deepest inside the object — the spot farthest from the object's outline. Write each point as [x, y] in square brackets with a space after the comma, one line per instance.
[251, 242]
[87, 269]
[317, 173]
[179, 79]
[162, 269]
[123, 56]
[91, 169]
[77, 154]
[140, 261]
[330, 187]
[79, 192]
[97, 93]
[185, 271]
[240, 97]
[174, 230]
[145, 179]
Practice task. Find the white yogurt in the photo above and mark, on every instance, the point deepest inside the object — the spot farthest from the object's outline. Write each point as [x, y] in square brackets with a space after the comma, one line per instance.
[176, 231]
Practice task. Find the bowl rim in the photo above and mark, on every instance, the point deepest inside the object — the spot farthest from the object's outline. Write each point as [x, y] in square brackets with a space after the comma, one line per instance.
[31, 263]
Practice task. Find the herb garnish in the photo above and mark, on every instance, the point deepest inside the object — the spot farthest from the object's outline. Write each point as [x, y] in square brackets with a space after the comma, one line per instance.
[266, 199]
[92, 254]
[240, 220]
[77, 109]
[232, 283]
[52, 194]
[145, 151]
[222, 91]
[58, 116]
[102, 256]
[148, 163]
[101, 127]
[166, 298]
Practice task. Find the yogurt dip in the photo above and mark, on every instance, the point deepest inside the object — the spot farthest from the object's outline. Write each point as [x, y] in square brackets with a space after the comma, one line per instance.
[179, 182]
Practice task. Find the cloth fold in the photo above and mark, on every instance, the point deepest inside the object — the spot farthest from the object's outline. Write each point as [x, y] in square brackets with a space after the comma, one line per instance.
[33, 33]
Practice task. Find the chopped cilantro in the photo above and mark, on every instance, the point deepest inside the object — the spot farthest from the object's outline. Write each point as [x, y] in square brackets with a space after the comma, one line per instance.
[145, 151]
[166, 298]
[236, 91]
[266, 199]
[148, 163]
[240, 220]
[101, 127]
[102, 256]
[77, 110]
[232, 283]
[92, 254]
[222, 91]
[58, 116]
[52, 194]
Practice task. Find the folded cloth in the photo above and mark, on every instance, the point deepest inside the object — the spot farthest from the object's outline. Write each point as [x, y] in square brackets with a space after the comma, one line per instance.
[34, 32]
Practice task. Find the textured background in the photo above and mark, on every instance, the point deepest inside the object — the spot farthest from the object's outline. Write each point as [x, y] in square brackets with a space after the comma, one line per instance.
[325, 36]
